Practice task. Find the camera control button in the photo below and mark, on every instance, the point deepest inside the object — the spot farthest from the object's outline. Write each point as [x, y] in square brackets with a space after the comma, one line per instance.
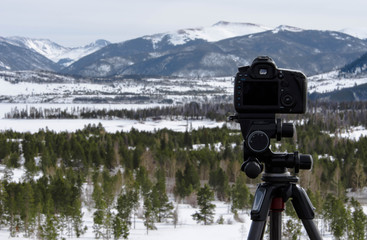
[287, 100]
[284, 83]
[280, 75]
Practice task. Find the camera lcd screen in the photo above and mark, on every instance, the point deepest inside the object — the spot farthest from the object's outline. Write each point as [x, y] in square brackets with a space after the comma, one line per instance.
[260, 93]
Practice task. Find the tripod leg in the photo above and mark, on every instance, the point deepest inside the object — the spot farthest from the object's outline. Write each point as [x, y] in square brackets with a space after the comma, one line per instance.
[312, 231]
[277, 206]
[305, 211]
[257, 230]
[260, 211]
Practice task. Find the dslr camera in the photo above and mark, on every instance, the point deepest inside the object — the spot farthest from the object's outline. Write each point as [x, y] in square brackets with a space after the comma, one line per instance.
[264, 88]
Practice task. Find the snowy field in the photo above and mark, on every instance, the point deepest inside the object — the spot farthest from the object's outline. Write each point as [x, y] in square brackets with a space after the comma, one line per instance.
[328, 82]
[112, 126]
[177, 90]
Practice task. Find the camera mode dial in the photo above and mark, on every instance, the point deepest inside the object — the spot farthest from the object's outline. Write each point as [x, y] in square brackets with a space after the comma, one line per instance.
[258, 141]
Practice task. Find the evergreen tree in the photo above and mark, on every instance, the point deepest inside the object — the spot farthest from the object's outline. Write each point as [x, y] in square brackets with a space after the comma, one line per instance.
[77, 219]
[13, 161]
[240, 194]
[206, 213]
[120, 228]
[292, 229]
[186, 182]
[122, 220]
[99, 215]
[148, 213]
[218, 180]
[358, 222]
[161, 205]
[49, 228]
[3, 206]
[143, 180]
[27, 207]
[336, 213]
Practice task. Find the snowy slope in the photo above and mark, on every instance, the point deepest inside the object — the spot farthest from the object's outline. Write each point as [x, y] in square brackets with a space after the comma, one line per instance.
[216, 32]
[356, 32]
[56, 52]
[328, 82]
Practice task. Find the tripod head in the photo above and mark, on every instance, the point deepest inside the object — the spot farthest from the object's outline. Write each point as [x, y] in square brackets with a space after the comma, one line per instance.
[257, 130]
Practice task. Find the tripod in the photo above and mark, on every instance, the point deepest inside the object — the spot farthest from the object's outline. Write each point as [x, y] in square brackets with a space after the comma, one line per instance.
[278, 185]
[270, 197]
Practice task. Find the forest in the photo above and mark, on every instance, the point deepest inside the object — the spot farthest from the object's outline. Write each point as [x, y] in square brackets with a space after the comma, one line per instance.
[127, 175]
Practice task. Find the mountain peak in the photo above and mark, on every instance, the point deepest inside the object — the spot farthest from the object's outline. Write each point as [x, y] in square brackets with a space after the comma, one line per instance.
[99, 43]
[219, 31]
[226, 24]
[287, 28]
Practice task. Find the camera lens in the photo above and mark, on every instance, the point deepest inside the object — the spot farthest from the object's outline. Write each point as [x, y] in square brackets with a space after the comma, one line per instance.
[287, 100]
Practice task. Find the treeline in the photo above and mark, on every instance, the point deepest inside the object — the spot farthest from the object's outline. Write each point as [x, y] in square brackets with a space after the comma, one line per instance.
[107, 172]
[331, 116]
[191, 110]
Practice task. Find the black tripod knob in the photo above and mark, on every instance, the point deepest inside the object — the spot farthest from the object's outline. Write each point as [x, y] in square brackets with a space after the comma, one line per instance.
[258, 141]
[252, 168]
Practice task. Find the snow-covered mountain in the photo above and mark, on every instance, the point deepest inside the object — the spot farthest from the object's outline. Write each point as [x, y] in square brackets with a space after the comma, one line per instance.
[356, 32]
[15, 58]
[55, 52]
[208, 52]
[211, 51]
[214, 33]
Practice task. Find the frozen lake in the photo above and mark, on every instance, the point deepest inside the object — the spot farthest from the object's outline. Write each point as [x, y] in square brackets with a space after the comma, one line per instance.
[112, 126]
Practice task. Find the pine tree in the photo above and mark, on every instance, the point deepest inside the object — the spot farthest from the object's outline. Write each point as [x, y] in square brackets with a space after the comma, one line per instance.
[77, 219]
[206, 213]
[122, 220]
[100, 213]
[13, 161]
[359, 176]
[49, 228]
[161, 205]
[120, 228]
[3, 207]
[148, 213]
[27, 207]
[336, 213]
[218, 180]
[240, 194]
[292, 229]
[358, 222]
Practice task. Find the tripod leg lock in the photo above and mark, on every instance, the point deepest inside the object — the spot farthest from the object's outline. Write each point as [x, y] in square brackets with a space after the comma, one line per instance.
[302, 204]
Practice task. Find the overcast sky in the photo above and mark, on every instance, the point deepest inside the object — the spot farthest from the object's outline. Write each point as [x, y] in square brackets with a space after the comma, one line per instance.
[79, 22]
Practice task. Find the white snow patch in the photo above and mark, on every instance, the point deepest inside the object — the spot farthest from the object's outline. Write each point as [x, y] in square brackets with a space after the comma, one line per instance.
[328, 82]
[358, 32]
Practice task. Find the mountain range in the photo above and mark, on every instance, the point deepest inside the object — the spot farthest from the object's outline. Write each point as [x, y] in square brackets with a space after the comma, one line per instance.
[197, 52]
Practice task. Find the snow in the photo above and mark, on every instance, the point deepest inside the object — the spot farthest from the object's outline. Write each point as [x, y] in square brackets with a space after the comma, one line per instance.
[358, 32]
[156, 89]
[216, 32]
[112, 126]
[328, 82]
[353, 133]
[55, 52]
[286, 28]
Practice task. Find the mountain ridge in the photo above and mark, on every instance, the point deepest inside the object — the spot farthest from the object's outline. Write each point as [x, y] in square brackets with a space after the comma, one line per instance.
[216, 50]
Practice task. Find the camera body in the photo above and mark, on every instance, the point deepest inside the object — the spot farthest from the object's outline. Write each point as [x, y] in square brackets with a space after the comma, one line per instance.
[264, 88]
